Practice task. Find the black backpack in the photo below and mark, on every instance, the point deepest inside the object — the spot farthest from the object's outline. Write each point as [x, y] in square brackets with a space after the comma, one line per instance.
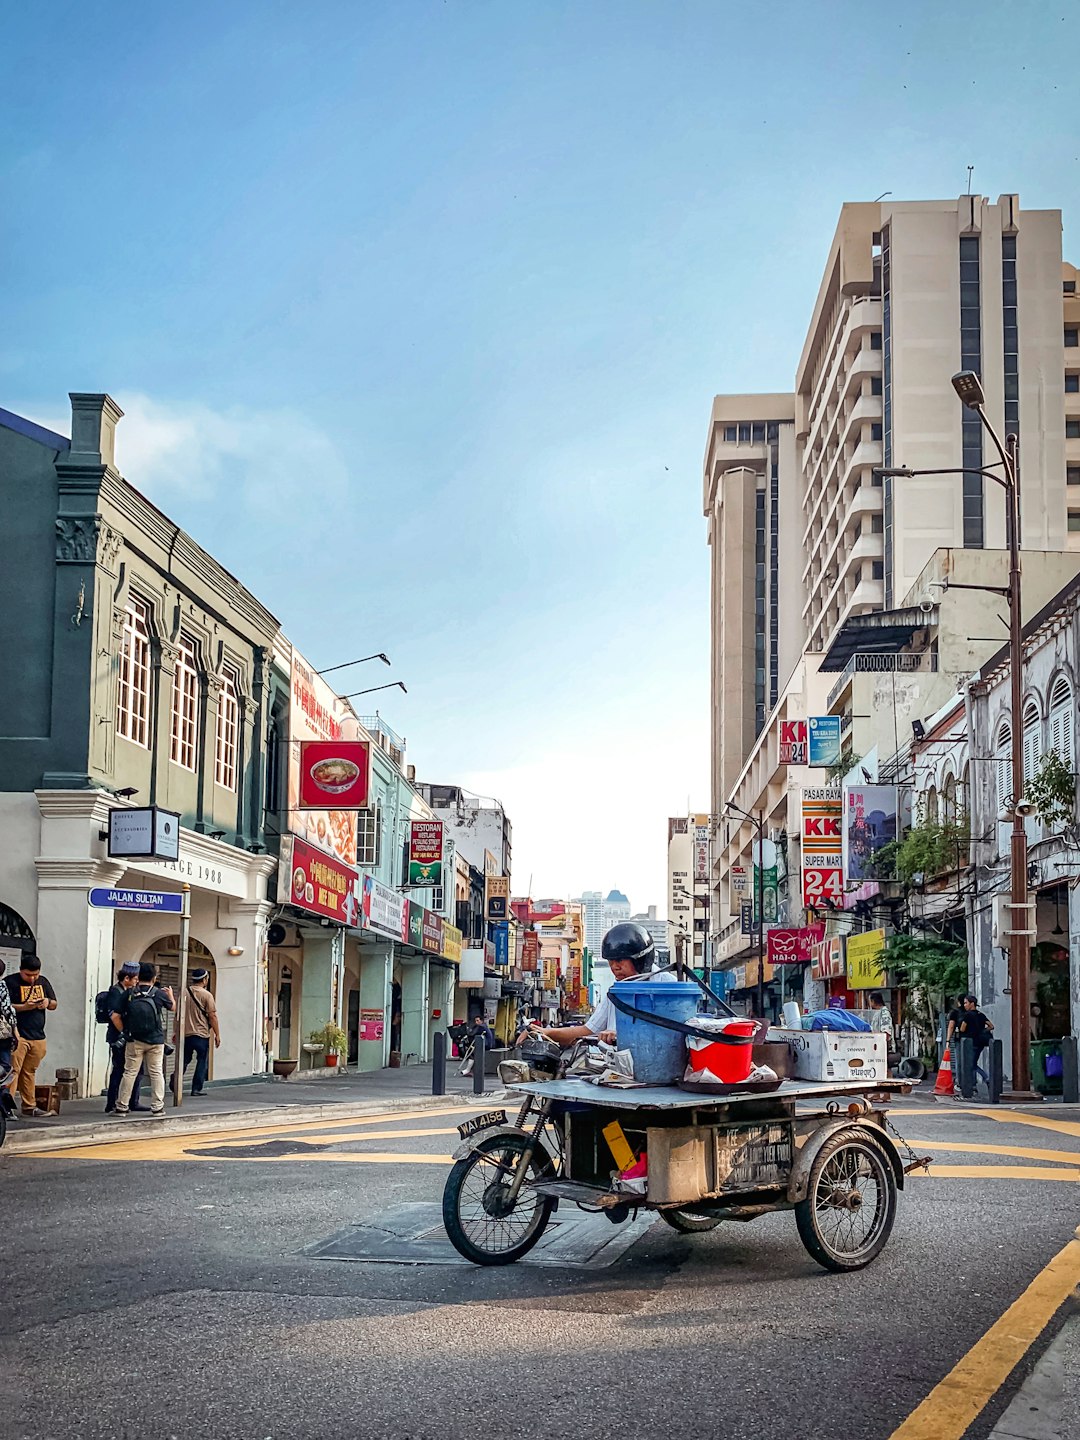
[142, 1020]
[102, 1008]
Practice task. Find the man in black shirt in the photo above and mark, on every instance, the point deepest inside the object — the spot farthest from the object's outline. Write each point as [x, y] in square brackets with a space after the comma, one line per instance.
[976, 1027]
[32, 996]
[125, 981]
[140, 1016]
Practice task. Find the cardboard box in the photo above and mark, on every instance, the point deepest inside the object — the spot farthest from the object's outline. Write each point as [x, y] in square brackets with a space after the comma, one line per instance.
[835, 1054]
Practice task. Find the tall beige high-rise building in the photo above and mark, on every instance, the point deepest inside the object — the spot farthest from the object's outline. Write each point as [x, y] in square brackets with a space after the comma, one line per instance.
[803, 532]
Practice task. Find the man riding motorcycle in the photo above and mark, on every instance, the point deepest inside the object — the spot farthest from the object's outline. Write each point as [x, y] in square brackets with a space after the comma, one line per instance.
[629, 950]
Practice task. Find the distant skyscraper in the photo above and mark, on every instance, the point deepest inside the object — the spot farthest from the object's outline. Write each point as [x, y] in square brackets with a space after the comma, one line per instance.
[601, 913]
[616, 909]
[657, 929]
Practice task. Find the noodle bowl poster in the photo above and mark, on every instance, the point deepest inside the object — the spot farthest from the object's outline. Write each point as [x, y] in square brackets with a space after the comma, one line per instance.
[334, 773]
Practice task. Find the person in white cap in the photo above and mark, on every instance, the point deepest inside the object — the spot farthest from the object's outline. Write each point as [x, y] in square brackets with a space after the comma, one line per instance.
[200, 1026]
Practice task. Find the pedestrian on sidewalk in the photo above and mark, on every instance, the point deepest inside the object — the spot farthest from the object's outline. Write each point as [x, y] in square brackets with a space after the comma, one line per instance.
[200, 1026]
[32, 995]
[881, 1023]
[127, 979]
[9, 1038]
[976, 1027]
[140, 1017]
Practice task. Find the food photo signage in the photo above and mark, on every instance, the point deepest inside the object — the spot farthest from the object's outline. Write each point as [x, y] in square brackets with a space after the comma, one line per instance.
[316, 713]
[425, 852]
[312, 880]
[335, 772]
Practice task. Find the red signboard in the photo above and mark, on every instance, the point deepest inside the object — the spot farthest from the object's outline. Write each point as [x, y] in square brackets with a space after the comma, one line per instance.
[315, 881]
[334, 773]
[821, 883]
[792, 946]
[530, 951]
[432, 933]
[828, 959]
[792, 742]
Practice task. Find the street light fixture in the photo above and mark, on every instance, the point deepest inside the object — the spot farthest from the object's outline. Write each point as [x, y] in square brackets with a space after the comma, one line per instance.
[346, 663]
[390, 685]
[969, 390]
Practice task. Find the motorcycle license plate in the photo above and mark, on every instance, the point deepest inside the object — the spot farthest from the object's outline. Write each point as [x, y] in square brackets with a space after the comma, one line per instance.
[481, 1122]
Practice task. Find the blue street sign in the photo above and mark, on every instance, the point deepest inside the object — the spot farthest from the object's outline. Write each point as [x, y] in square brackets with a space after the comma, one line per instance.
[502, 943]
[167, 901]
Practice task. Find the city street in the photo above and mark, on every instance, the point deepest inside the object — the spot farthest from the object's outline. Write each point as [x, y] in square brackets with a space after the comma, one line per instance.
[167, 1286]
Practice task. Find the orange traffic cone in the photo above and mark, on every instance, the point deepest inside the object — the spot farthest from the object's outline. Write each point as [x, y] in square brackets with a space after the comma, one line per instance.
[944, 1083]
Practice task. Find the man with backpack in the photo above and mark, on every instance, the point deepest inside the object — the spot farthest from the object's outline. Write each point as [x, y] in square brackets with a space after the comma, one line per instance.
[106, 1005]
[140, 1017]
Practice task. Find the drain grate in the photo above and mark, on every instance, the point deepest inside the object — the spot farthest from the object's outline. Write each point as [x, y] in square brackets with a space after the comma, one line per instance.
[413, 1234]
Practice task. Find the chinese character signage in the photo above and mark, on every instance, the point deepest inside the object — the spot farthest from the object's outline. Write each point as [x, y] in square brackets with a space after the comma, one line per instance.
[530, 953]
[869, 825]
[425, 852]
[498, 897]
[793, 946]
[451, 943]
[865, 959]
[431, 932]
[312, 880]
[334, 772]
[822, 863]
[792, 742]
[316, 713]
[739, 879]
[824, 739]
[701, 853]
[746, 918]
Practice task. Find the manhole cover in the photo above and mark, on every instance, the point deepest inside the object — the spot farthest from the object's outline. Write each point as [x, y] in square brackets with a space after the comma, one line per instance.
[413, 1235]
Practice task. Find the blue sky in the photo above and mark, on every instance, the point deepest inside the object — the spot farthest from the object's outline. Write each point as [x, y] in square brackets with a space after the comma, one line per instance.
[417, 311]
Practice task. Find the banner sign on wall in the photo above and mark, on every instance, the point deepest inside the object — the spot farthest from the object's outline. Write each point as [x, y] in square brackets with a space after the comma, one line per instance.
[824, 739]
[334, 772]
[372, 1023]
[312, 880]
[865, 959]
[451, 943]
[822, 863]
[501, 933]
[792, 742]
[425, 852]
[793, 946]
[316, 713]
[701, 853]
[828, 959]
[869, 825]
[385, 911]
[739, 880]
[431, 932]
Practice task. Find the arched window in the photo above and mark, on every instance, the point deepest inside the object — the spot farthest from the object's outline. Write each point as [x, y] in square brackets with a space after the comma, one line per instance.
[1002, 766]
[932, 805]
[1060, 723]
[1032, 739]
[948, 800]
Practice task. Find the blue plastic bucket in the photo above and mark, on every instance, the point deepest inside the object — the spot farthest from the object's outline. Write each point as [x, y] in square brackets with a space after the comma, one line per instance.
[659, 1054]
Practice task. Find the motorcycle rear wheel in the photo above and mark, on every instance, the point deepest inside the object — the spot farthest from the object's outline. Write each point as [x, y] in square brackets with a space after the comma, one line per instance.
[473, 1202]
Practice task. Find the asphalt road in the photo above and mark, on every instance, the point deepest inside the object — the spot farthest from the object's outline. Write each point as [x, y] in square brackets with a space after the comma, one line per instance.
[162, 1289]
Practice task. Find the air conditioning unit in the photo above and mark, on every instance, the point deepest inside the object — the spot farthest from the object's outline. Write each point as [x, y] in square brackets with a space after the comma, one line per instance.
[410, 774]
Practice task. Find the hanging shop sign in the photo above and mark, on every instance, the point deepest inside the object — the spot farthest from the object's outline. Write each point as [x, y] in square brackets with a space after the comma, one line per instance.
[822, 863]
[416, 926]
[425, 852]
[866, 959]
[431, 933]
[792, 946]
[501, 935]
[739, 879]
[146, 833]
[335, 772]
[827, 961]
[497, 897]
[384, 910]
[823, 734]
[451, 943]
[869, 825]
[316, 713]
[746, 918]
[530, 951]
[792, 742]
[311, 880]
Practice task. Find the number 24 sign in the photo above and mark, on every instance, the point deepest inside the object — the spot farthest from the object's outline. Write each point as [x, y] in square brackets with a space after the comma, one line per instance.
[822, 884]
[792, 742]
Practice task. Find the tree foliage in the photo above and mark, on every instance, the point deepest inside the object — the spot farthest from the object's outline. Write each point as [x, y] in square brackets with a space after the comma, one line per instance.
[1052, 790]
[931, 970]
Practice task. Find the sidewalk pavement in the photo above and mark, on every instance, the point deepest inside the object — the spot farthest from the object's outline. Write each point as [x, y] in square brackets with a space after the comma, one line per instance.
[263, 1101]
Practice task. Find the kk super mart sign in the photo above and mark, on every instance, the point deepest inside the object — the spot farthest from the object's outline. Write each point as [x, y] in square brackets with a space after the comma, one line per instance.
[822, 845]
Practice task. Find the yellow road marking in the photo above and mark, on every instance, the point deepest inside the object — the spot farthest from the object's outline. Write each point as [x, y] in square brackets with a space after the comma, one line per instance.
[1067, 1157]
[340, 1137]
[1003, 1117]
[168, 1150]
[955, 1403]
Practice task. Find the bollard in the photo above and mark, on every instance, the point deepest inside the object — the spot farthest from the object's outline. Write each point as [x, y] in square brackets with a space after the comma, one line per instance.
[479, 1049]
[1070, 1080]
[966, 1068]
[995, 1066]
[438, 1064]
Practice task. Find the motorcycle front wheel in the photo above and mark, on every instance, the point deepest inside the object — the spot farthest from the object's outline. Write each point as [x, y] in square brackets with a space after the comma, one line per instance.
[479, 1223]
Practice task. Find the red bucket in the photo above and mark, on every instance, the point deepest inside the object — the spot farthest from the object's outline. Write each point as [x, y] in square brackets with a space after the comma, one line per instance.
[730, 1056]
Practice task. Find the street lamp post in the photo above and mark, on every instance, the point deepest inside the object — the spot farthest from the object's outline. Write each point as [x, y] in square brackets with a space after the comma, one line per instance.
[970, 392]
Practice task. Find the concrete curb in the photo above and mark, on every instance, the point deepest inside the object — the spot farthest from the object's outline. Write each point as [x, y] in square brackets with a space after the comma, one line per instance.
[116, 1131]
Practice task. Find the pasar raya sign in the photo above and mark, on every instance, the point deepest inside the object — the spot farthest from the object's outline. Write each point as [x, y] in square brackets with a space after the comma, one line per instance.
[822, 863]
[334, 772]
[312, 880]
[425, 852]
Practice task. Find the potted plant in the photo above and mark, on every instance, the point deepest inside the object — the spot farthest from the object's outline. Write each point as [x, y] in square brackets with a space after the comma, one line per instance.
[333, 1040]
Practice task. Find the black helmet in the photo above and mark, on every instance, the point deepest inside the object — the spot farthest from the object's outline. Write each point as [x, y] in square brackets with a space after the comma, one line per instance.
[630, 942]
